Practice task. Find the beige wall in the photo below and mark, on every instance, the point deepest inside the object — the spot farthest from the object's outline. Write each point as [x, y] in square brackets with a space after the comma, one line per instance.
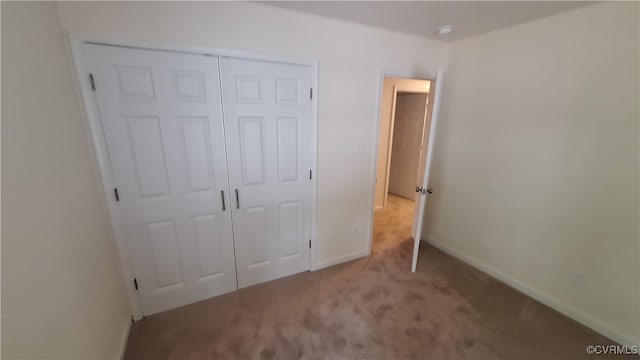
[533, 175]
[62, 293]
[384, 130]
[351, 58]
[536, 164]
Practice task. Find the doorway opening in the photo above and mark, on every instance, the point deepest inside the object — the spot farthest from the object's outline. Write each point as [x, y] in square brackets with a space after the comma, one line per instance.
[403, 138]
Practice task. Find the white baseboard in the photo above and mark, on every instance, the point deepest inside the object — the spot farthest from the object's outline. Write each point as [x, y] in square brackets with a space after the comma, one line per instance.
[125, 339]
[539, 296]
[340, 259]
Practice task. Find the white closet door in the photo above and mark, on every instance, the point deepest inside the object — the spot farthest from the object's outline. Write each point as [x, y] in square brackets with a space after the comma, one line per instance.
[267, 122]
[162, 119]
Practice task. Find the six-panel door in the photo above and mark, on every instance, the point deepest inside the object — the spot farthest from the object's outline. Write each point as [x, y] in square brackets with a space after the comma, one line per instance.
[268, 130]
[162, 118]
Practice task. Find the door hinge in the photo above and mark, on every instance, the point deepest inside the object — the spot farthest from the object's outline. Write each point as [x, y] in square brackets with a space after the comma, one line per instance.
[310, 93]
[310, 174]
[135, 283]
[309, 243]
[115, 193]
[92, 81]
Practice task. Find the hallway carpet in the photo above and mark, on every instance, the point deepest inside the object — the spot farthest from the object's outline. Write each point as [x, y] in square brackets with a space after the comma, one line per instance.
[372, 308]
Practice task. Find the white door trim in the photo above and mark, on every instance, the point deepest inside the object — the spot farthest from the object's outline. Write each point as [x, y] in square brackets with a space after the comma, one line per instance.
[392, 123]
[383, 74]
[81, 72]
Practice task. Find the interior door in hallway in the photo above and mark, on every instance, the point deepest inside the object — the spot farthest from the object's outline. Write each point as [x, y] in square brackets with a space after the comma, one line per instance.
[407, 143]
[268, 128]
[162, 118]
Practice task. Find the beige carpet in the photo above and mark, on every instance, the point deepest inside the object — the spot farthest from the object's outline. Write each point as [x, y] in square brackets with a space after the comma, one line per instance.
[372, 308]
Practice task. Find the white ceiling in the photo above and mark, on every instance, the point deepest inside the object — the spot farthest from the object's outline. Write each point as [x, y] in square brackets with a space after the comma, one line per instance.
[423, 17]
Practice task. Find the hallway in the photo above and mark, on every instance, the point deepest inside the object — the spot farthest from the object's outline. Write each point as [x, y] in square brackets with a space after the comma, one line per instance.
[392, 225]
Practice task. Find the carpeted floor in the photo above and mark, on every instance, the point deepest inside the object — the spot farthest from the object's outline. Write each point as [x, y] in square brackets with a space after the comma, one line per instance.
[372, 308]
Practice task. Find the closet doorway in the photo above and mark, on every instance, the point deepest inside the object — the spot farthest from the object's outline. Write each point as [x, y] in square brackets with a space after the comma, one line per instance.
[208, 166]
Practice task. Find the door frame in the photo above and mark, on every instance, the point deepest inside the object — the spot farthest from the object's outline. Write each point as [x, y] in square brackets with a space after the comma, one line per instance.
[94, 130]
[391, 74]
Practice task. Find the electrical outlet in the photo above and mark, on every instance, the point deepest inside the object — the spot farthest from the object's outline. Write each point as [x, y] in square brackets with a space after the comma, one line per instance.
[358, 149]
[577, 278]
[355, 231]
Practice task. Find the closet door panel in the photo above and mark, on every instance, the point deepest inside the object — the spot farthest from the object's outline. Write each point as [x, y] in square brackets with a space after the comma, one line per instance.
[268, 131]
[162, 118]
